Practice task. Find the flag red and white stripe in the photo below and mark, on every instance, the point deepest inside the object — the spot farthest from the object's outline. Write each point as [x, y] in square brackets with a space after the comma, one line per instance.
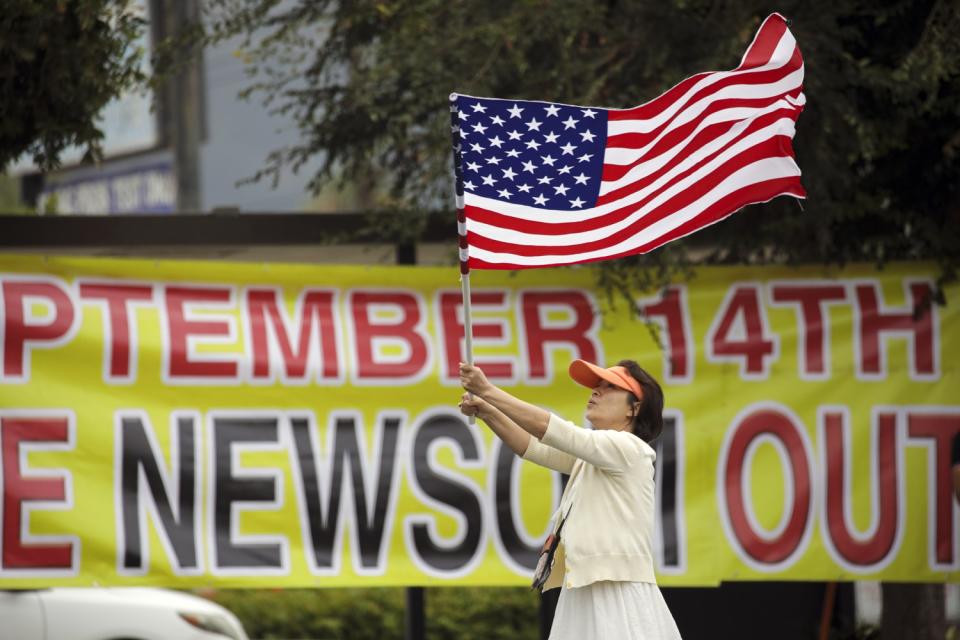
[704, 149]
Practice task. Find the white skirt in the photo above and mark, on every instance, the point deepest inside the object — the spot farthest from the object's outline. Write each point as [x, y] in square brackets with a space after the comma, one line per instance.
[613, 611]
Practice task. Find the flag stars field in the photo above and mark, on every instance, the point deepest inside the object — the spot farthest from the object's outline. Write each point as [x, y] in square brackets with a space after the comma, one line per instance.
[532, 149]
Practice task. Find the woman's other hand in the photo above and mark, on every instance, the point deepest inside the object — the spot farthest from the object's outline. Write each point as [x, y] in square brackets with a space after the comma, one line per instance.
[473, 379]
[471, 405]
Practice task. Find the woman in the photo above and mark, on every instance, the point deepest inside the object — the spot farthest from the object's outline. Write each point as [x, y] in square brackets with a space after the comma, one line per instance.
[604, 562]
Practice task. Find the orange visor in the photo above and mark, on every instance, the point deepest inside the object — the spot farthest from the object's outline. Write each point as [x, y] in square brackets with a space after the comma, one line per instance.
[590, 375]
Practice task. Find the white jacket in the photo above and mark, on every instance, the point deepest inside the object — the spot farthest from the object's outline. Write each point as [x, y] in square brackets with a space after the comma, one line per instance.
[608, 532]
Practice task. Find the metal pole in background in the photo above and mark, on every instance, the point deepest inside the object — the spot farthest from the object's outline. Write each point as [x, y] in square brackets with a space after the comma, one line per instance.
[548, 607]
[414, 614]
[184, 106]
[414, 620]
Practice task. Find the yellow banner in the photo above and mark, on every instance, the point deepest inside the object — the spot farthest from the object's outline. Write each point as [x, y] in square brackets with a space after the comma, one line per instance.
[192, 423]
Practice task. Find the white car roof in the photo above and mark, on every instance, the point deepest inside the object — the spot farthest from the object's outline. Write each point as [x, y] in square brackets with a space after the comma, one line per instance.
[141, 596]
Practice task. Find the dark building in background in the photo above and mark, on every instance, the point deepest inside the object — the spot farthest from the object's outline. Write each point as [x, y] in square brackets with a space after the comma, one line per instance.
[181, 150]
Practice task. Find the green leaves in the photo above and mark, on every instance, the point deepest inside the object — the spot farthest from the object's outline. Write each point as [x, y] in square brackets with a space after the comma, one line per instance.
[367, 82]
[460, 613]
[58, 68]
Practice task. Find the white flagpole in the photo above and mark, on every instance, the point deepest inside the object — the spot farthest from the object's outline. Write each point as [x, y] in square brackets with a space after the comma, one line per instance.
[467, 322]
[462, 235]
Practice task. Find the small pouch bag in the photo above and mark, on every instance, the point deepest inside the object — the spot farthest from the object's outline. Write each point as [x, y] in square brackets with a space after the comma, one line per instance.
[549, 549]
[545, 561]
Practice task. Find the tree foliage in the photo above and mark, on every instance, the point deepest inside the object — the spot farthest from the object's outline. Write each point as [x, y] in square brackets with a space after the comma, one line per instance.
[367, 82]
[61, 62]
[455, 613]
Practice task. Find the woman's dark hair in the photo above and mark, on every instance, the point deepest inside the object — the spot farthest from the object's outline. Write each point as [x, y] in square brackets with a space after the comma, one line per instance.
[648, 423]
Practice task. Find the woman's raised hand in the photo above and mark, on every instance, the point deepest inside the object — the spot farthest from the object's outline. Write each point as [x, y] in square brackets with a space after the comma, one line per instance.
[471, 405]
[473, 379]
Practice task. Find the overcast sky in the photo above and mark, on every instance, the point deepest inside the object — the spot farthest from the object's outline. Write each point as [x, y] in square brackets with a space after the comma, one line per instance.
[240, 135]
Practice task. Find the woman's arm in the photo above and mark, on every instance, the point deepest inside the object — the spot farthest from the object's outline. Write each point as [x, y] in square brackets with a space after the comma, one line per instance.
[513, 436]
[519, 441]
[528, 417]
[603, 449]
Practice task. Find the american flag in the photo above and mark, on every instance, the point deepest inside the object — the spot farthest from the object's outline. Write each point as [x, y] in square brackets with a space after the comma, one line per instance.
[542, 184]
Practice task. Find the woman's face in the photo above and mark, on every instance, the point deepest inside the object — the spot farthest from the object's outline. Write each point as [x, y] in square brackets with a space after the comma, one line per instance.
[609, 407]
